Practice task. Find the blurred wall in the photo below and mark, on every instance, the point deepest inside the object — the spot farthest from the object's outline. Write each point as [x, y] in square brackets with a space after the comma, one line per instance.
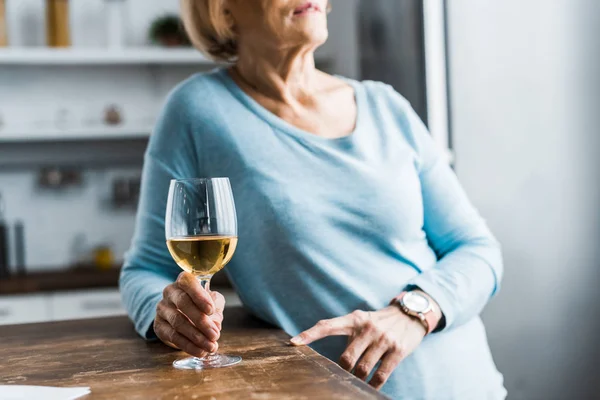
[524, 77]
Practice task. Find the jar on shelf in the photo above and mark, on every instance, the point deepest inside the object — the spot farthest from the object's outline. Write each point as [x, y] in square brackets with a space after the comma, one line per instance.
[3, 24]
[58, 26]
[115, 23]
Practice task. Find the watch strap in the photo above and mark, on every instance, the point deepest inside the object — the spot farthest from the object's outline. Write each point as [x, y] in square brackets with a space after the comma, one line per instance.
[427, 318]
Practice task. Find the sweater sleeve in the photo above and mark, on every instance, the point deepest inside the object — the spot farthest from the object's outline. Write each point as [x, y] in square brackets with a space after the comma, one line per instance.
[148, 266]
[469, 262]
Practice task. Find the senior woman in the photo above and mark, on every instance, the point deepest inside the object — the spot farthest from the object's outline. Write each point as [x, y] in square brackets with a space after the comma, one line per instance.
[351, 224]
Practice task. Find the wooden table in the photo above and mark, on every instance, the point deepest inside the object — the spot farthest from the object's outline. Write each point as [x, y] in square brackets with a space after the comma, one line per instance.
[106, 355]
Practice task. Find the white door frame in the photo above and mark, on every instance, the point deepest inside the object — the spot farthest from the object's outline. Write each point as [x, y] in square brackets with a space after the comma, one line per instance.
[436, 73]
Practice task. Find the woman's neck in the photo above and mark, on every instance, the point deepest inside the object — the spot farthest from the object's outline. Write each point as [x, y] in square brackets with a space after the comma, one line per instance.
[287, 76]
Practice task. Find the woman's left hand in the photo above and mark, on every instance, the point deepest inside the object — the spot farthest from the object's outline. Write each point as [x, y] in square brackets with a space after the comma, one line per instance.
[387, 335]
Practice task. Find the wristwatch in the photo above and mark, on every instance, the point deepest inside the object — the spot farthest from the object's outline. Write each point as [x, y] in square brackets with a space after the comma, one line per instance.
[417, 305]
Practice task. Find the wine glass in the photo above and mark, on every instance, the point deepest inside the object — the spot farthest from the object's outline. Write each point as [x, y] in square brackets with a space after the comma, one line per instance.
[201, 232]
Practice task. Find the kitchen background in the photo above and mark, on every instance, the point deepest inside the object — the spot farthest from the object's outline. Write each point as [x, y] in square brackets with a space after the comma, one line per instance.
[509, 88]
[46, 98]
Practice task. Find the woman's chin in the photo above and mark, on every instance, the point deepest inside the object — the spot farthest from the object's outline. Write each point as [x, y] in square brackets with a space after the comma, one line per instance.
[311, 37]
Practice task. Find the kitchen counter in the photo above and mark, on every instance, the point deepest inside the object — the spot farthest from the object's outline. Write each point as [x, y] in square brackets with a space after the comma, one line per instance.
[107, 355]
[68, 279]
[74, 279]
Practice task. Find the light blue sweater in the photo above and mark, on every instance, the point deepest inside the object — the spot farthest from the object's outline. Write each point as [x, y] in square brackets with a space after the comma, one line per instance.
[328, 226]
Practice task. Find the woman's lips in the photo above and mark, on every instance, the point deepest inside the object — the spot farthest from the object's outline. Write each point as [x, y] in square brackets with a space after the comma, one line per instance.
[306, 8]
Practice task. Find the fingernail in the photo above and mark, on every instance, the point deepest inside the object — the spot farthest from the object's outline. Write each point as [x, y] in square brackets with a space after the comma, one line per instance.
[215, 333]
[210, 310]
[296, 340]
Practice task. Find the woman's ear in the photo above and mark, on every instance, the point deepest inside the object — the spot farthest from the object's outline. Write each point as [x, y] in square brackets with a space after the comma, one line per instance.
[230, 20]
[228, 15]
[229, 5]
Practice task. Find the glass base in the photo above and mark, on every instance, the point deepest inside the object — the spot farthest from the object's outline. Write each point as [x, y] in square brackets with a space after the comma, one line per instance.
[212, 361]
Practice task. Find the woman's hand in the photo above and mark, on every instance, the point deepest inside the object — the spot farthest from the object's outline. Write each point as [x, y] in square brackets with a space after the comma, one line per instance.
[387, 335]
[188, 317]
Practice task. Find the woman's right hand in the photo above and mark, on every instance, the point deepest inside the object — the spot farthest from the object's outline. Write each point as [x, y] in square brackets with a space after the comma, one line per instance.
[188, 317]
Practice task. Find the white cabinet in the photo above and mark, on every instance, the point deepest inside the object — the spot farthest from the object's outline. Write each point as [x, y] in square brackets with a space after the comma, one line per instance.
[86, 304]
[81, 304]
[24, 309]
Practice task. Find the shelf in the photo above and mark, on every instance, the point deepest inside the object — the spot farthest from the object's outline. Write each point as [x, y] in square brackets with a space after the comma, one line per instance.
[100, 56]
[76, 134]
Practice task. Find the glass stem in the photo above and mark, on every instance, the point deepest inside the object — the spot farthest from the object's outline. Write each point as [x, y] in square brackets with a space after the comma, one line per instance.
[205, 283]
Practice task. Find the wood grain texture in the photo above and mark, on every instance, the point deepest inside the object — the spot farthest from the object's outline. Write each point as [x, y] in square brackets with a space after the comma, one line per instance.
[108, 356]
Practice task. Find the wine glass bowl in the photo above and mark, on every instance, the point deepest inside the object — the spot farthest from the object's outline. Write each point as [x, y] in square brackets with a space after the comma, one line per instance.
[202, 256]
[201, 234]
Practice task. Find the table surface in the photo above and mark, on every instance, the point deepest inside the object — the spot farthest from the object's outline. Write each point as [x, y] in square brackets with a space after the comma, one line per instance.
[107, 355]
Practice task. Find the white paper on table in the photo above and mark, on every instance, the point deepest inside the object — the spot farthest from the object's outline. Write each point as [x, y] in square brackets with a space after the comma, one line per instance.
[23, 392]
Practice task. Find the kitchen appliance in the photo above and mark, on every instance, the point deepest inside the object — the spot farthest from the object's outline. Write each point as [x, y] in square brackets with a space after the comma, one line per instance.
[403, 43]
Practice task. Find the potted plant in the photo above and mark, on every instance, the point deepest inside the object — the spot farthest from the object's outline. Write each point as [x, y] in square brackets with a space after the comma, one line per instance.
[168, 31]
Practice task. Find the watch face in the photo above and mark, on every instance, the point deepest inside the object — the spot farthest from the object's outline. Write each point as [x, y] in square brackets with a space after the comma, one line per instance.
[415, 302]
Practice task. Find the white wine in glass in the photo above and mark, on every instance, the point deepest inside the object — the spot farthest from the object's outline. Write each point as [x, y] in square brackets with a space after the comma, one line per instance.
[201, 233]
[202, 255]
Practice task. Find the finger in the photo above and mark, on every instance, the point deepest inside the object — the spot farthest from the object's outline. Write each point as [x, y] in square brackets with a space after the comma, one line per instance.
[217, 319]
[207, 326]
[158, 327]
[189, 284]
[202, 322]
[219, 301]
[194, 335]
[182, 325]
[369, 359]
[325, 327]
[388, 365]
[355, 350]
[182, 301]
[217, 316]
[167, 334]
